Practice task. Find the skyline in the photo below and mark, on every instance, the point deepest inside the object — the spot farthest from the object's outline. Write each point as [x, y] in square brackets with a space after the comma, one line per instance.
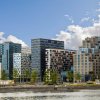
[65, 20]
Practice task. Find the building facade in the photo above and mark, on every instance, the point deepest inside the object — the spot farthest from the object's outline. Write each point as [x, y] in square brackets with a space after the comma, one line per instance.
[9, 49]
[38, 47]
[17, 63]
[25, 60]
[1, 51]
[59, 59]
[82, 64]
[87, 59]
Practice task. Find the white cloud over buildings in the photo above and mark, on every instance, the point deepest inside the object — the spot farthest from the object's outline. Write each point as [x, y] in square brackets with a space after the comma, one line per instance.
[74, 34]
[11, 38]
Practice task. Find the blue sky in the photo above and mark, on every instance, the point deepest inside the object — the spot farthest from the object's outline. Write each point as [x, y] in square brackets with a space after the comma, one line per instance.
[27, 19]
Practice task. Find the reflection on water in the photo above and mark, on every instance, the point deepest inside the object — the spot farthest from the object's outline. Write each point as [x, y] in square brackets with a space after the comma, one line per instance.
[81, 95]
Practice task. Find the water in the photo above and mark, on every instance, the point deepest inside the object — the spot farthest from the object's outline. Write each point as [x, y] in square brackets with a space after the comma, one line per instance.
[80, 95]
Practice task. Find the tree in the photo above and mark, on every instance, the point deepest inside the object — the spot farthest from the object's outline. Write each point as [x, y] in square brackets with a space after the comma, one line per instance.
[51, 76]
[47, 78]
[34, 76]
[70, 76]
[15, 74]
[3, 75]
[77, 77]
[54, 76]
[27, 74]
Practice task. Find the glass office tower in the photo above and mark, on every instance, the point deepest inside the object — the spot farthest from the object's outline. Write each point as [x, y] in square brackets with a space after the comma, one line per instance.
[38, 47]
[1, 51]
[9, 49]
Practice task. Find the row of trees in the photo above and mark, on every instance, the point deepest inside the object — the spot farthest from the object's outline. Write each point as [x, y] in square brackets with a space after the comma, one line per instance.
[51, 76]
[77, 77]
[27, 75]
[71, 76]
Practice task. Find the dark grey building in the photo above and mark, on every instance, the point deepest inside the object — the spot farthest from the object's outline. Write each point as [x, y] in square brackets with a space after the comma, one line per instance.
[1, 51]
[38, 47]
[9, 49]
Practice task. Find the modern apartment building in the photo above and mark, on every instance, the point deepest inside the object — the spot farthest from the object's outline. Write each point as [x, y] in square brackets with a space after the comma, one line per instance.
[38, 47]
[82, 64]
[59, 59]
[87, 59]
[9, 49]
[25, 60]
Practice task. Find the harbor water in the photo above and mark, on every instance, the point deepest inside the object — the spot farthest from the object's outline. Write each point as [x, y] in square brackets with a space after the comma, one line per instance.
[30, 95]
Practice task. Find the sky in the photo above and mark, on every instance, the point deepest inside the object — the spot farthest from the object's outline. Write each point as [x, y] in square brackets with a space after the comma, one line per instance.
[68, 20]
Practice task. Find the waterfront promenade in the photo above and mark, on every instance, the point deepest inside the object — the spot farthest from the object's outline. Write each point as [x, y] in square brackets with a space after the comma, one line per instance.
[48, 88]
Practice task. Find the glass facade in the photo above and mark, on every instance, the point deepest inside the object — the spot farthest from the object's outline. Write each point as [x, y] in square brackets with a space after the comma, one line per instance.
[1, 51]
[38, 47]
[17, 62]
[9, 49]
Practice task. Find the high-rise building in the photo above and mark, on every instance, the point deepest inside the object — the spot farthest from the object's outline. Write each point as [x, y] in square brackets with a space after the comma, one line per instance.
[87, 59]
[9, 49]
[38, 47]
[82, 64]
[0, 70]
[26, 50]
[25, 60]
[1, 51]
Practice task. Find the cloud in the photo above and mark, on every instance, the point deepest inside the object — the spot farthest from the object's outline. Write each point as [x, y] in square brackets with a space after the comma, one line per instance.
[99, 3]
[74, 34]
[98, 10]
[2, 39]
[11, 38]
[85, 19]
[69, 18]
[15, 40]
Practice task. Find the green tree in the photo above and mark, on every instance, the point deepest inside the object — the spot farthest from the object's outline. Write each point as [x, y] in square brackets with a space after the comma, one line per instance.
[77, 77]
[47, 78]
[27, 74]
[15, 74]
[51, 76]
[3, 75]
[34, 76]
[54, 76]
[70, 76]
